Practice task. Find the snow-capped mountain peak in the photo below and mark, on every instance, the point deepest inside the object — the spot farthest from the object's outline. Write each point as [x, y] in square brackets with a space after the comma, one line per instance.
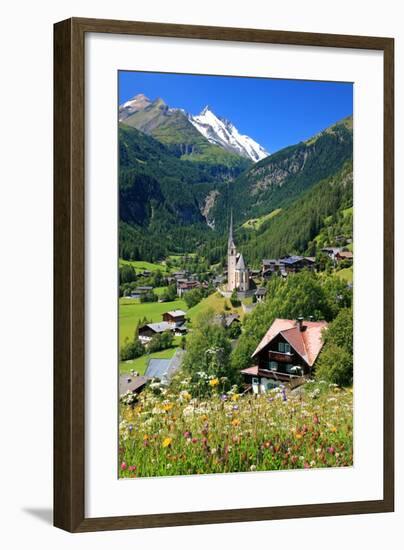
[221, 132]
[136, 103]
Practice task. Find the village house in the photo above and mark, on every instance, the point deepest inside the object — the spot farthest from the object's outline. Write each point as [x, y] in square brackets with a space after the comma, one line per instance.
[131, 383]
[227, 320]
[185, 285]
[260, 294]
[140, 291]
[146, 332]
[344, 255]
[164, 369]
[173, 321]
[175, 317]
[286, 354]
[287, 264]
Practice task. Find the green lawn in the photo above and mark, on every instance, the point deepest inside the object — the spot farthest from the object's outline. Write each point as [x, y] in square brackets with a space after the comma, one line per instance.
[255, 223]
[141, 363]
[130, 311]
[216, 302]
[346, 274]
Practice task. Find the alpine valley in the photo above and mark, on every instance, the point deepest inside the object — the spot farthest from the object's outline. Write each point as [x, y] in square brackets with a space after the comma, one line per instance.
[180, 176]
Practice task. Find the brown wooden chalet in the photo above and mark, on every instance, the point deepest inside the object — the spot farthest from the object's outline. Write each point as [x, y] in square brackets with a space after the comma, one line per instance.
[286, 354]
[176, 317]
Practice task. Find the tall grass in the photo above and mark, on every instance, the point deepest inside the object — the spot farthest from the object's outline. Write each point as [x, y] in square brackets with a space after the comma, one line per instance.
[173, 434]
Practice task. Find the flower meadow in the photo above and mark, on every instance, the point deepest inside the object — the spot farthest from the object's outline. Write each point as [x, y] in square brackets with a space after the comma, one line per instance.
[166, 433]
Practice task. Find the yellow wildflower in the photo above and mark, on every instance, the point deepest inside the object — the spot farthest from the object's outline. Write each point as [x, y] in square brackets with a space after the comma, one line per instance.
[145, 437]
[167, 407]
[298, 435]
[167, 442]
[235, 397]
[214, 382]
[235, 422]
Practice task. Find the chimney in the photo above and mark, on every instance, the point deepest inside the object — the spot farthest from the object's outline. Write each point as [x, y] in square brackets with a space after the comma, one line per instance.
[300, 323]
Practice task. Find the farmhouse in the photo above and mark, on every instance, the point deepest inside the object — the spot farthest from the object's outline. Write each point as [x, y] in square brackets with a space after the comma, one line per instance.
[176, 317]
[146, 332]
[286, 354]
[173, 321]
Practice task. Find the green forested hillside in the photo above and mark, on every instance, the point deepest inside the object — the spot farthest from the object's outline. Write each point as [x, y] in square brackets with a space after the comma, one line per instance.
[280, 178]
[296, 227]
[171, 205]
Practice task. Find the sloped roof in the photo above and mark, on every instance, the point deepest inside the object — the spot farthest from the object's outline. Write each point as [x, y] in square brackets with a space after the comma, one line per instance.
[165, 368]
[307, 342]
[131, 383]
[158, 327]
[157, 368]
[176, 313]
[240, 262]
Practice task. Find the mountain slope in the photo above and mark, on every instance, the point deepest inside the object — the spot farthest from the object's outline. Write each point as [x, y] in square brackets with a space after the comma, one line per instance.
[283, 176]
[295, 228]
[170, 204]
[160, 198]
[223, 133]
[172, 128]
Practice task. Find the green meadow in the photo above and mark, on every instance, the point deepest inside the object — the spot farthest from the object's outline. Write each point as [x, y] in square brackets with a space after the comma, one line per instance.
[131, 311]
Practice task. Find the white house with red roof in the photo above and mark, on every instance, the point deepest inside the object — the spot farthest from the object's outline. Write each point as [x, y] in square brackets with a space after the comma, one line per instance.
[286, 354]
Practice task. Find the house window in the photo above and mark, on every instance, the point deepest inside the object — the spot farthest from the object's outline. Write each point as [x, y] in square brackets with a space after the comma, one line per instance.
[255, 381]
[283, 347]
[273, 365]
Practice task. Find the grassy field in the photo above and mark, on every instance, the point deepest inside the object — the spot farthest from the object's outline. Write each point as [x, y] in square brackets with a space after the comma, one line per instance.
[130, 311]
[255, 223]
[140, 266]
[177, 435]
[141, 363]
[216, 302]
[346, 274]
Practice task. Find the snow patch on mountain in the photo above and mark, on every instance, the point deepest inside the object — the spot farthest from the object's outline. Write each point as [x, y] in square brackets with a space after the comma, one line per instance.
[222, 132]
[137, 103]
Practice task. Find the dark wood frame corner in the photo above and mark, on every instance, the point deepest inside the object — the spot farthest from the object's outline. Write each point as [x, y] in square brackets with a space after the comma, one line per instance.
[69, 250]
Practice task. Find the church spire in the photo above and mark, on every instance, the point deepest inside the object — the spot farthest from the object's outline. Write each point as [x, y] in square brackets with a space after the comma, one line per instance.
[231, 228]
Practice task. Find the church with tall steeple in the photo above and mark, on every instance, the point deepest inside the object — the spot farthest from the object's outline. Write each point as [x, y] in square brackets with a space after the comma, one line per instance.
[237, 272]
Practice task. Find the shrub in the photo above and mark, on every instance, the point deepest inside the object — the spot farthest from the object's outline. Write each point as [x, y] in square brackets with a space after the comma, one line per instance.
[149, 297]
[131, 349]
[335, 363]
[160, 341]
[235, 302]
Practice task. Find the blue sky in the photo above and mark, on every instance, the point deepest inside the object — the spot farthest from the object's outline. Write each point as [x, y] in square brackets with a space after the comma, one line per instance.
[274, 112]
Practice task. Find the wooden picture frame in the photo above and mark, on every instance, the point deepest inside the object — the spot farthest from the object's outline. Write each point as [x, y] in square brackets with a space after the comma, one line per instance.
[69, 262]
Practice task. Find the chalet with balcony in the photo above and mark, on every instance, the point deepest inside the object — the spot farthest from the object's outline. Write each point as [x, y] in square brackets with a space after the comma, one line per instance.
[286, 354]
